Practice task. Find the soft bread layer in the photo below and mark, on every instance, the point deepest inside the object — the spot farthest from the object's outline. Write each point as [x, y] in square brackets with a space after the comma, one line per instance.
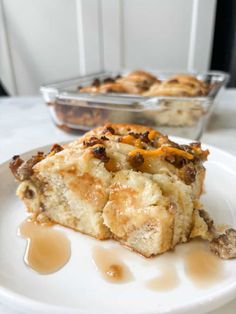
[74, 190]
[181, 205]
[149, 208]
[137, 213]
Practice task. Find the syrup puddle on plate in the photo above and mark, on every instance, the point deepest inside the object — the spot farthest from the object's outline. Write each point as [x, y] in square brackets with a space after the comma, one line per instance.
[202, 267]
[110, 265]
[167, 279]
[47, 250]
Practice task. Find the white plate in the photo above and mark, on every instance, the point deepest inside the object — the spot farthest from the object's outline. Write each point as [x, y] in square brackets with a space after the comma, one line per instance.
[79, 288]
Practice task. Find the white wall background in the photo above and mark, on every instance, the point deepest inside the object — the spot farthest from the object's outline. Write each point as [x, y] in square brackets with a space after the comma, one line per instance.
[44, 40]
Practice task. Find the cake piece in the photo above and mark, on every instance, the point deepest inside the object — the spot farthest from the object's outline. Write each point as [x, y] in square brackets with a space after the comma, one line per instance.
[126, 182]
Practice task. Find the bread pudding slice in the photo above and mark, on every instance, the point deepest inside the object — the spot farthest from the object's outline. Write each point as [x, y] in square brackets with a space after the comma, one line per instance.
[126, 182]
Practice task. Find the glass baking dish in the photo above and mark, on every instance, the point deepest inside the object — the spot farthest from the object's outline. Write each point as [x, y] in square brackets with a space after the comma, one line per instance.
[187, 117]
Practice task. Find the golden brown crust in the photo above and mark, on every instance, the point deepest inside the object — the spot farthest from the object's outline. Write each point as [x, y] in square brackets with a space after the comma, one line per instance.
[137, 82]
[119, 129]
[178, 85]
[143, 74]
[143, 83]
[89, 89]
[189, 80]
[112, 88]
[146, 138]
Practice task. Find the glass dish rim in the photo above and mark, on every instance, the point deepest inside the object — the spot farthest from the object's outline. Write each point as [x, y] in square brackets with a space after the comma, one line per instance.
[58, 89]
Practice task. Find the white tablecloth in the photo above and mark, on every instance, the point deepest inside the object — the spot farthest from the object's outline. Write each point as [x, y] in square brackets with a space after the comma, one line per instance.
[25, 124]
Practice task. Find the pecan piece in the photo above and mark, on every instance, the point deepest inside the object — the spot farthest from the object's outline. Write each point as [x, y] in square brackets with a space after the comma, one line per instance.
[224, 245]
[56, 148]
[96, 82]
[23, 170]
[177, 161]
[29, 194]
[144, 137]
[15, 163]
[137, 160]
[109, 129]
[135, 135]
[108, 80]
[104, 138]
[93, 140]
[189, 174]
[99, 152]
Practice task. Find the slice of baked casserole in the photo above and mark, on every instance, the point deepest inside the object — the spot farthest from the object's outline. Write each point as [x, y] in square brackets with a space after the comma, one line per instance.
[126, 182]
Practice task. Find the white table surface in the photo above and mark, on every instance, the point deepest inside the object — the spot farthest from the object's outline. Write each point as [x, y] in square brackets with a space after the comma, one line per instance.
[25, 124]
